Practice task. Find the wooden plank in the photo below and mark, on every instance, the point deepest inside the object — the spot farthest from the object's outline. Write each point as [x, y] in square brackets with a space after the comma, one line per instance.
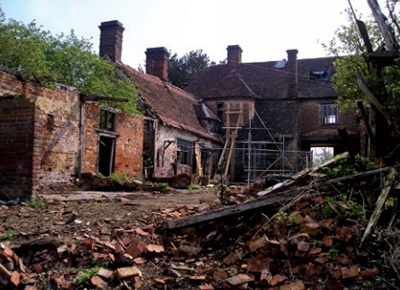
[380, 203]
[232, 211]
[299, 176]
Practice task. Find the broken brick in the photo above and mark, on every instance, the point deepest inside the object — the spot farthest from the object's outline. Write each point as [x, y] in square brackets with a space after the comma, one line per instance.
[219, 276]
[349, 272]
[276, 279]
[256, 266]
[15, 279]
[257, 244]
[206, 287]
[296, 285]
[369, 272]
[239, 279]
[231, 258]
[98, 282]
[127, 272]
[105, 273]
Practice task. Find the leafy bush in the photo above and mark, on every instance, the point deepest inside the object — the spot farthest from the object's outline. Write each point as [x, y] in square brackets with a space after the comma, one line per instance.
[346, 166]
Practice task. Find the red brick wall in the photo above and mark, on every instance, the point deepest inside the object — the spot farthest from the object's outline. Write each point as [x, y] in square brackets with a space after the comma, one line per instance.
[129, 143]
[16, 146]
[311, 126]
[47, 140]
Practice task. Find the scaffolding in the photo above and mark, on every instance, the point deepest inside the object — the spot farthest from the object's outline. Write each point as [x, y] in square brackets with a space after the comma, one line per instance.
[252, 159]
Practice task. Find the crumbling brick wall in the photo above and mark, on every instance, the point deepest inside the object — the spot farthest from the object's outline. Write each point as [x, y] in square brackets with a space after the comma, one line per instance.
[40, 130]
[128, 146]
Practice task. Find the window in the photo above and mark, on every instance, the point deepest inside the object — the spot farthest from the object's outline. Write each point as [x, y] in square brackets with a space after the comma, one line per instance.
[107, 120]
[220, 112]
[318, 75]
[330, 114]
[185, 152]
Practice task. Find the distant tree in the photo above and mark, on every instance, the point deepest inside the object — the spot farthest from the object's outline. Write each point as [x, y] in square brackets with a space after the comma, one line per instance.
[181, 69]
[321, 154]
[30, 51]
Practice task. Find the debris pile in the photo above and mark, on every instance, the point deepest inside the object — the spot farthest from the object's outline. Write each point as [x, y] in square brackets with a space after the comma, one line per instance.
[310, 231]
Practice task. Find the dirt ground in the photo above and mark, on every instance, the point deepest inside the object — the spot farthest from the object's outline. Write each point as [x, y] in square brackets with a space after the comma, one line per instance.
[58, 241]
[119, 209]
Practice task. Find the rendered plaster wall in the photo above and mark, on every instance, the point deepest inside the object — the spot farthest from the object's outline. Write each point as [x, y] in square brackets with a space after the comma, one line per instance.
[166, 165]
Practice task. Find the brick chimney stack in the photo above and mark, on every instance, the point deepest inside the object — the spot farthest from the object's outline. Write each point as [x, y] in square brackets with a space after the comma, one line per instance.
[234, 55]
[157, 62]
[293, 73]
[111, 39]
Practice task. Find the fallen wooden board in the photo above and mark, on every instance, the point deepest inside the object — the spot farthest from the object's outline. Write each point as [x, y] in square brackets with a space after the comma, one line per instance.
[264, 201]
[233, 210]
[281, 186]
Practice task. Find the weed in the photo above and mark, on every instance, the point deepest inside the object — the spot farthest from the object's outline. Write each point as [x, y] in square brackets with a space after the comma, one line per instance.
[159, 186]
[36, 204]
[194, 186]
[120, 178]
[85, 275]
[333, 253]
[8, 235]
[354, 210]
[281, 217]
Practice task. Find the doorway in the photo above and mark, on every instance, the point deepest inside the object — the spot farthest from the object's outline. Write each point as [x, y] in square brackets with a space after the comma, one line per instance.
[106, 155]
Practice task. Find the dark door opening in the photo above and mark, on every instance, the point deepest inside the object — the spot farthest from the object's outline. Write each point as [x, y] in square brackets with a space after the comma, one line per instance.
[106, 155]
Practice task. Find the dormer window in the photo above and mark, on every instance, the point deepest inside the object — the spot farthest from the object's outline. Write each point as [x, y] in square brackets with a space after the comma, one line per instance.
[318, 75]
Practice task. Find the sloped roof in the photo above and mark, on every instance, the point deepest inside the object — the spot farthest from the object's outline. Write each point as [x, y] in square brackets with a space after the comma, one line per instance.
[173, 106]
[260, 79]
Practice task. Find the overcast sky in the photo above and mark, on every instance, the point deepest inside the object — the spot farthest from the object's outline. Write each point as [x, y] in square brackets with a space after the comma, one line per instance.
[264, 29]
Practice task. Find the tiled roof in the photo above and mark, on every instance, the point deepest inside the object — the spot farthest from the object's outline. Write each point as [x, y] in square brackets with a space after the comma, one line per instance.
[173, 106]
[260, 79]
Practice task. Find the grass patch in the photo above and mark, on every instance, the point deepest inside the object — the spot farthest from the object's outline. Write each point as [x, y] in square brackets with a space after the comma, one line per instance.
[36, 204]
[194, 186]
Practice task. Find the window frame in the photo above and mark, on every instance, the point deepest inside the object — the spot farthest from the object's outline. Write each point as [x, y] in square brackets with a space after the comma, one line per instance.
[107, 120]
[185, 152]
[329, 114]
[318, 75]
